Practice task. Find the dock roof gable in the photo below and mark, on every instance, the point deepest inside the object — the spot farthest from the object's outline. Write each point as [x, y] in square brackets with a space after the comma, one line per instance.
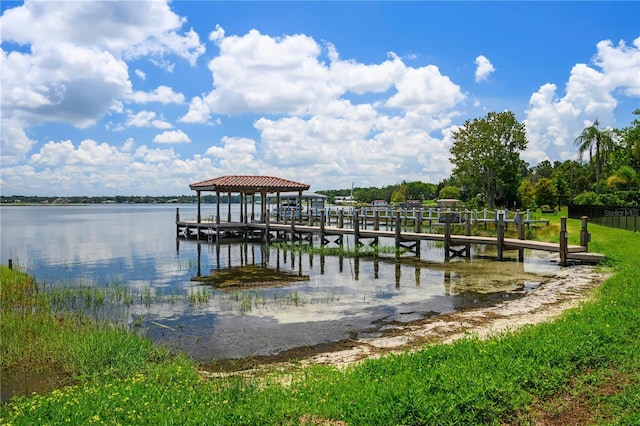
[248, 184]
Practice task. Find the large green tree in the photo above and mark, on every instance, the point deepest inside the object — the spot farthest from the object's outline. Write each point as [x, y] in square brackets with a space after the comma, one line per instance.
[546, 192]
[598, 143]
[628, 153]
[486, 156]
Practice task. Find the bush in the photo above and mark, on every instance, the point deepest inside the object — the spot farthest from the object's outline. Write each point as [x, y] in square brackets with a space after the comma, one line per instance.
[450, 192]
[587, 198]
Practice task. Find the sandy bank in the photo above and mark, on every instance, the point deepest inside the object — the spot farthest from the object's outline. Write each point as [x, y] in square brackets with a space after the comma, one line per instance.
[564, 290]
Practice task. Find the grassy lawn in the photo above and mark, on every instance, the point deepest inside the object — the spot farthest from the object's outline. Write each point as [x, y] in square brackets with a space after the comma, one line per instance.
[583, 368]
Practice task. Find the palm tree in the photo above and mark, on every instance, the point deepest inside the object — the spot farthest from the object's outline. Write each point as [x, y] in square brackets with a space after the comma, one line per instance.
[597, 142]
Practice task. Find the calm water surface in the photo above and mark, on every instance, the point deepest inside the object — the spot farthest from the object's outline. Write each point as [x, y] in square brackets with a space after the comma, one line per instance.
[321, 299]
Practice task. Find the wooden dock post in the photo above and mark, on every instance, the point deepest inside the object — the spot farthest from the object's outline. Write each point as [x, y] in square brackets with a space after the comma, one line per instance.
[418, 221]
[376, 220]
[322, 218]
[398, 230]
[500, 236]
[520, 218]
[341, 219]
[563, 241]
[293, 226]
[177, 220]
[356, 228]
[447, 233]
[584, 233]
[467, 218]
[267, 233]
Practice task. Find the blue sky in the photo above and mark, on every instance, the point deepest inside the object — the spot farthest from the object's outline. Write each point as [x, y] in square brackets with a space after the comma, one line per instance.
[143, 98]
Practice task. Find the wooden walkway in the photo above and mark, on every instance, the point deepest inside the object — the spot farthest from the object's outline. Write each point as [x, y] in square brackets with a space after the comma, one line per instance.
[454, 244]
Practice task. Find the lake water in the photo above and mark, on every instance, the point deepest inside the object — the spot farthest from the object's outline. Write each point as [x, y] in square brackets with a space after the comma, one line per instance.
[319, 299]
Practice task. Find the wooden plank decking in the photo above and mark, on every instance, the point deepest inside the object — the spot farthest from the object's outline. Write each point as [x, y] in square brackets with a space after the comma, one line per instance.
[293, 231]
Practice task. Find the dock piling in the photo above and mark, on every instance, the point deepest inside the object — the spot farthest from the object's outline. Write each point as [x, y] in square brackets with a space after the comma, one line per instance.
[585, 237]
[520, 219]
[356, 228]
[447, 233]
[563, 241]
[500, 236]
[398, 230]
[467, 218]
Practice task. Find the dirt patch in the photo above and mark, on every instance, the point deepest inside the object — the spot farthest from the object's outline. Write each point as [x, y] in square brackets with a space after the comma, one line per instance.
[578, 405]
[566, 289]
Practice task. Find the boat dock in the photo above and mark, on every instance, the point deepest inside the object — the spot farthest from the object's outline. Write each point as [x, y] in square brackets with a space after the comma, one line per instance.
[364, 228]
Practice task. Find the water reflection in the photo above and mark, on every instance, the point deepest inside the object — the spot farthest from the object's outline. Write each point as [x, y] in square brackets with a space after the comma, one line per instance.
[134, 248]
[336, 298]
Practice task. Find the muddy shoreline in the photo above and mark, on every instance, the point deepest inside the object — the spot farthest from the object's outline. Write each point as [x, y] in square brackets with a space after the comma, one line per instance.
[565, 289]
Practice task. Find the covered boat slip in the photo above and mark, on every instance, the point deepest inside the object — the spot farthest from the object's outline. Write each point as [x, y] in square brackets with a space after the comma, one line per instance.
[247, 189]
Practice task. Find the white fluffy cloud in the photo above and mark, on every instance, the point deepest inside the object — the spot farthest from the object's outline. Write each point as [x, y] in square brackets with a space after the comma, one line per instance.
[235, 155]
[484, 68]
[310, 85]
[301, 82]
[296, 79]
[426, 91]
[92, 167]
[172, 136]
[162, 94]
[199, 111]
[147, 119]
[75, 70]
[554, 121]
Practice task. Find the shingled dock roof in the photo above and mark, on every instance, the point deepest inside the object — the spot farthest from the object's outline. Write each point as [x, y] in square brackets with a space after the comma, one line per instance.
[247, 184]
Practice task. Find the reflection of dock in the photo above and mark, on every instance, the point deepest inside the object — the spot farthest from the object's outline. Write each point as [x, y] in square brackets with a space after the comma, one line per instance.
[258, 266]
[454, 244]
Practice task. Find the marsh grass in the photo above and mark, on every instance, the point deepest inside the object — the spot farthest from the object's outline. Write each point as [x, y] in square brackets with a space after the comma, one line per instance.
[39, 336]
[583, 366]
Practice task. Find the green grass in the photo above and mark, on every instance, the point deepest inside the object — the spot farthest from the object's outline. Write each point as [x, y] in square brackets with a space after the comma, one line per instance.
[37, 338]
[582, 368]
